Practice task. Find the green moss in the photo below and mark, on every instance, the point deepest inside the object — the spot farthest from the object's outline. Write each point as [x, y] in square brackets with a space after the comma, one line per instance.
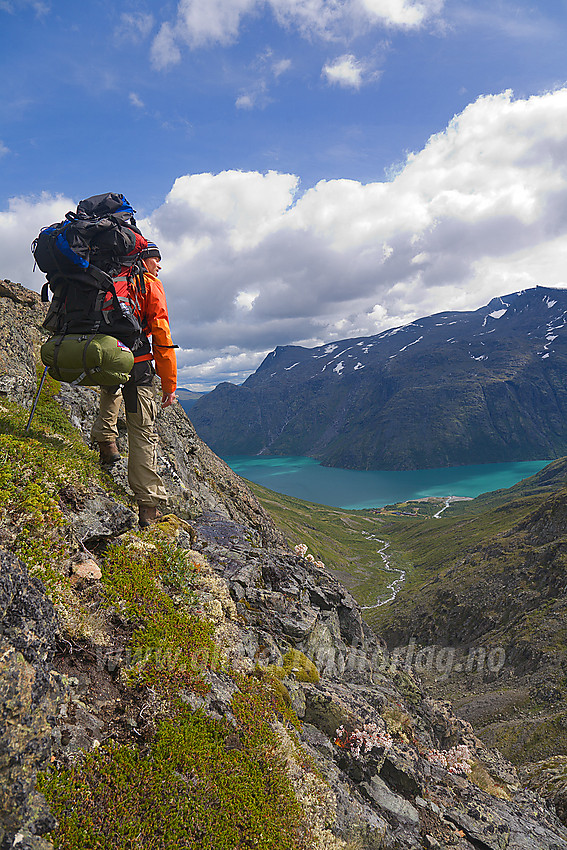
[200, 783]
[480, 777]
[408, 687]
[398, 722]
[297, 664]
[199, 786]
[38, 468]
[260, 700]
[150, 577]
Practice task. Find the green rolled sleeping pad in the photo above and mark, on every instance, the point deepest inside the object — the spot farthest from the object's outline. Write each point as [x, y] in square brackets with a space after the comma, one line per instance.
[87, 360]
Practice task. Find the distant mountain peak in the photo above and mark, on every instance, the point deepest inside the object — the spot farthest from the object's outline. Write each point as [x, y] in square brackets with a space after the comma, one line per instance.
[456, 387]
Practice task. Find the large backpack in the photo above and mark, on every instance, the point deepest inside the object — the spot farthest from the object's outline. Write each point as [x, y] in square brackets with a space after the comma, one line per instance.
[80, 256]
[101, 236]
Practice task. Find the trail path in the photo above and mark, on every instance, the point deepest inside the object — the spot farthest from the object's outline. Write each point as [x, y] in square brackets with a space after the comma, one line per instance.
[447, 503]
[395, 586]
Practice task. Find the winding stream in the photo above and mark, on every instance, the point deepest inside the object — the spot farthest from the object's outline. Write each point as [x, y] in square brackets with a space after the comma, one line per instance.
[395, 586]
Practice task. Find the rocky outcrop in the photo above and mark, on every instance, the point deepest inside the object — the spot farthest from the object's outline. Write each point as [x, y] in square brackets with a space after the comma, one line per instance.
[394, 793]
[20, 333]
[31, 695]
[390, 768]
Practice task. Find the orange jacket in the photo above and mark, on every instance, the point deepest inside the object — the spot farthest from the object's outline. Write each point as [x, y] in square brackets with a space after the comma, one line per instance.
[150, 309]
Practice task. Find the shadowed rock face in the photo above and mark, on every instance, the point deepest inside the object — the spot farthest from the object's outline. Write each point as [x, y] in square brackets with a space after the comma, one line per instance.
[27, 617]
[450, 389]
[270, 609]
[30, 698]
[20, 334]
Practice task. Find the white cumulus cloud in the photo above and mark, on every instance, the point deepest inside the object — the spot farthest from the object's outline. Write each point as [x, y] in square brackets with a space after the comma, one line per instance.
[13, 6]
[134, 27]
[136, 100]
[281, 66]
[402, 13]
[19, 225]
[165, 50]
[345, 71]
[251, 262]
[204, 22]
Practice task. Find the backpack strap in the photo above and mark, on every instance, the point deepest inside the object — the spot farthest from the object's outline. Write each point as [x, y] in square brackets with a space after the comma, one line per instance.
[86, 371]
[141, 281]
[56, 349]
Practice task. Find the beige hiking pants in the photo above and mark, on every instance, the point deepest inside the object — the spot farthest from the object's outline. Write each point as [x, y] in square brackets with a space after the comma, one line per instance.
[146, 484]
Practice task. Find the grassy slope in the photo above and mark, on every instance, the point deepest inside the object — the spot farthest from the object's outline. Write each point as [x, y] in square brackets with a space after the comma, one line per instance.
[421, 545]
[335, 536]
[493, 565]
[122, 794]
[432, 545]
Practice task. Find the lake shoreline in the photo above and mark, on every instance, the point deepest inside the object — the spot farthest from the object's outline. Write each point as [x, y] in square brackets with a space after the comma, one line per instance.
[306, 479]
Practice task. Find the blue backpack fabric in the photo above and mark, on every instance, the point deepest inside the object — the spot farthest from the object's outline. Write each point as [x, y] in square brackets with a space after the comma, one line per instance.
[80, 257]
[99, 237]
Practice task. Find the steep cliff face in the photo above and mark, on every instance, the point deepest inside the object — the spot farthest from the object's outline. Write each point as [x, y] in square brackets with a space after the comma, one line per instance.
[200, 685]
[453, 388]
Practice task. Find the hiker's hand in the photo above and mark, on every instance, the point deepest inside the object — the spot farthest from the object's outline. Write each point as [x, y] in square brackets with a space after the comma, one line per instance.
[167, 399]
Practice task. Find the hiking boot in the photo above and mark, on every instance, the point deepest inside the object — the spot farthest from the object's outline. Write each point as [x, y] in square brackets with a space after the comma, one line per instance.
[147, 515]
[108, 453]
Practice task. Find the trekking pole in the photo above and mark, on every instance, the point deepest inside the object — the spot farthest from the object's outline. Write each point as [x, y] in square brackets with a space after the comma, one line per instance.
[36, 399]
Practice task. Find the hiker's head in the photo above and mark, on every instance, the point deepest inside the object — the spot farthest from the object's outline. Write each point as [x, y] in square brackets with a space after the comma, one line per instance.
[152, 258]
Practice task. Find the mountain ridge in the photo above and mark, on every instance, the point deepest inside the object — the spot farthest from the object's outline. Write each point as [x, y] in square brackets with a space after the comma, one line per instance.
[200, 684]
[449, 389]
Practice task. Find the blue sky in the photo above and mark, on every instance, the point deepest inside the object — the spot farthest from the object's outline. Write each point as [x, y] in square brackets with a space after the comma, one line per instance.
[313, 170]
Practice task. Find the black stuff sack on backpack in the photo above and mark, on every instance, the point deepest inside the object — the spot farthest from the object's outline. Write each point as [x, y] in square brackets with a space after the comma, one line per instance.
[101, 236]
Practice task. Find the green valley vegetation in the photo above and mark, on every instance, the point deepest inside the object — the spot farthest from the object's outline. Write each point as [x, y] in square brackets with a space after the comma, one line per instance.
[343, 540]
[485, 585]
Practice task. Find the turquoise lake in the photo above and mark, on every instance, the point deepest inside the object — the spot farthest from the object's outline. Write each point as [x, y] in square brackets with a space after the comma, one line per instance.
[306, 479]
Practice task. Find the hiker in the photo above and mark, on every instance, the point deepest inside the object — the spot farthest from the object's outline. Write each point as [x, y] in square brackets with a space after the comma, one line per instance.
[138, 392]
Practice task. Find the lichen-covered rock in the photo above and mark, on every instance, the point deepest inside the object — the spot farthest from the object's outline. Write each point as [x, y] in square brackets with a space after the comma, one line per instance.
[100, 518]
[377, 792]
[27, 618]
[30, 698]
[21, 317]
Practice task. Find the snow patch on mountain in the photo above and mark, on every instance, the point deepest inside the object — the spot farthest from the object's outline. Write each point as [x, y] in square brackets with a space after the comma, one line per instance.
[411, 343]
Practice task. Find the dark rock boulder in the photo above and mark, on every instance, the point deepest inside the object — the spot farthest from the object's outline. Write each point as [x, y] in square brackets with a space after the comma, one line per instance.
[31, 696]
